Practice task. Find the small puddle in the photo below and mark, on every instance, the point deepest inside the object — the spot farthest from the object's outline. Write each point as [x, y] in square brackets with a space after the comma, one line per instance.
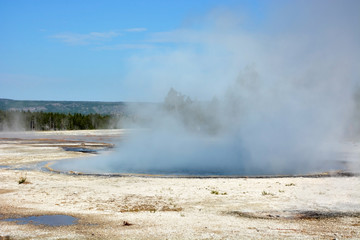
[46, 220]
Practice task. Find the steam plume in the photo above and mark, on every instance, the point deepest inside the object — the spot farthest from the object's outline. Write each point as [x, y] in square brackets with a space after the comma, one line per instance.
[282, 92]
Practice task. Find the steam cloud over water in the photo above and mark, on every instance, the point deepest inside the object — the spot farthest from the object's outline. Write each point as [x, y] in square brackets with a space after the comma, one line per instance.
[268, 97]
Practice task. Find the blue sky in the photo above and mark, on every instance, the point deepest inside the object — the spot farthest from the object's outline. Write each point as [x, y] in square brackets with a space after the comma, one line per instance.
[78, 50]
[136, 50]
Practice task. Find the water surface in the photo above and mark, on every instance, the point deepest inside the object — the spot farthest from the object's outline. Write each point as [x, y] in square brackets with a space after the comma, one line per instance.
[46, 220]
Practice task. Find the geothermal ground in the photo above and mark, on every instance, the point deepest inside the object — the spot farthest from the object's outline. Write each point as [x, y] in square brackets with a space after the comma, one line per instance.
[134, 207]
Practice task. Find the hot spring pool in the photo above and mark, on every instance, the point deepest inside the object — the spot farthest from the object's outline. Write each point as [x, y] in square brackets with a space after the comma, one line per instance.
[101, 165]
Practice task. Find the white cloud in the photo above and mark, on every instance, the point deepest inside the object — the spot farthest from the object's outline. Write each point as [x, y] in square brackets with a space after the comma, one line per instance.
[97, 37]
[84, 39]
[135, 30]
[125, 47]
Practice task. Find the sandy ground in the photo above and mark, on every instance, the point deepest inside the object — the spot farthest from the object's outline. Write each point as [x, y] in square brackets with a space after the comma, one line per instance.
[165, 208]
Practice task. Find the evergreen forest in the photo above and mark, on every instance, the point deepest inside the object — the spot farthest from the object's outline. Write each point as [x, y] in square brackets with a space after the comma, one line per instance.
[40, 121]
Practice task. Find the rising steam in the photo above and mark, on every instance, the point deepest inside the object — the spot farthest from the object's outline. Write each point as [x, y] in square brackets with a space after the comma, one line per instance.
[270, 100]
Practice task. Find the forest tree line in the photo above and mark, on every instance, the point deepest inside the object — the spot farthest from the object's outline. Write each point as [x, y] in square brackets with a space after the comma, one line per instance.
[40, 121]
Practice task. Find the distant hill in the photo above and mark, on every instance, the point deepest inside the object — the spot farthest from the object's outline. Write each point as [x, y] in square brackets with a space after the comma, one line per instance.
[83, 107]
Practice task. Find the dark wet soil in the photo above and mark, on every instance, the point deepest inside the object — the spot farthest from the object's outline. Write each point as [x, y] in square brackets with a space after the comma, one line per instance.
[81, 149]
[72, 145]
[295, 215]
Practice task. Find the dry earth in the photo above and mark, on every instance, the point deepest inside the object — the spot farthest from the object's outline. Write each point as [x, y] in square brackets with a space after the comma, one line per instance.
[165, 208]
